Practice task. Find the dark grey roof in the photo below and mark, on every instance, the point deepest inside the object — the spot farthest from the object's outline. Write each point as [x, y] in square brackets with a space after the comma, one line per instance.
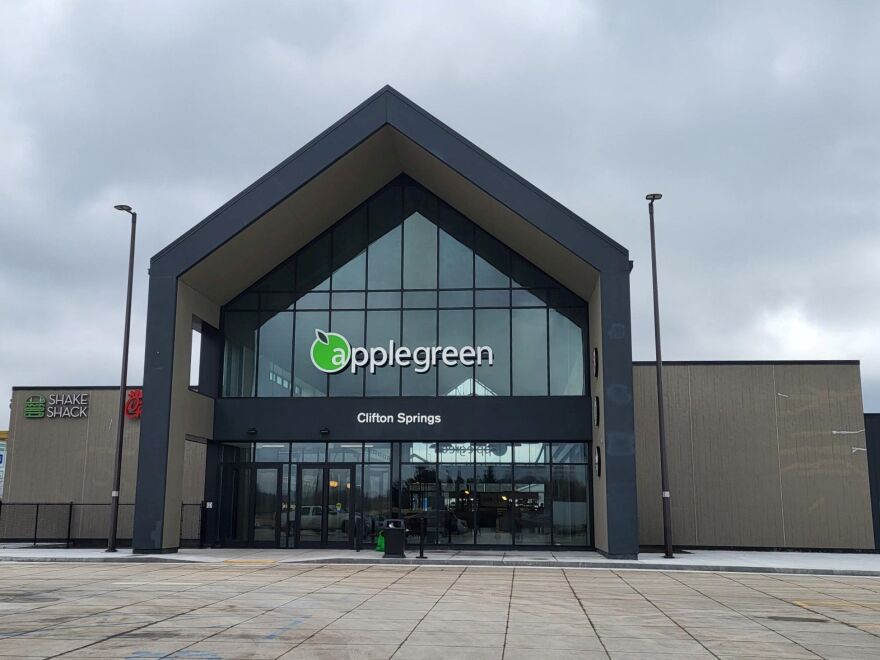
[387, 107]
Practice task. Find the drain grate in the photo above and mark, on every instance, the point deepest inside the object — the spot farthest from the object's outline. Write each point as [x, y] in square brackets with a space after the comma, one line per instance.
[804, 619]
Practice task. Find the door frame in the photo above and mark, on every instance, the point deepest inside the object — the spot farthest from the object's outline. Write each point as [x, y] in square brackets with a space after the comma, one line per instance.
[227, 497]
[324, 542]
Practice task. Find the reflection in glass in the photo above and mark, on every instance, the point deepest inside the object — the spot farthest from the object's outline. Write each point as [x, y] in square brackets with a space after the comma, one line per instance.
[418, 452]
[493, 452]
[419, 253]
[239, 365]
[382, 327]
[313, 265]
[493, 329]
[377, 499]
[491, 261]
[349, 251]
[570, 513]
[566, 352]
[308, 452]
[340, 505]
[311, 504]
[456, 452]
[266, 505]
[351, 326]
[419, 332]
[531, 452]
[531, 515]
[456, 329]
[307, 380]
[418, 498]
[569, 452]
[344, 452]
[458, 495]
[529, 352]
[384, 252]
[494, 504]
[377, 452]
[274, 370]
[272, 452]
[456, 256]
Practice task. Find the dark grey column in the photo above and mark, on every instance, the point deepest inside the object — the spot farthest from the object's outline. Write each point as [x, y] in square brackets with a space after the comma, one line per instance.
[872, 442]
[149, 510]
[619, 468]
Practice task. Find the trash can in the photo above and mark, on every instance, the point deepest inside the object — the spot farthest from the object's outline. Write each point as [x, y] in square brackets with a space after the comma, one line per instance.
[394, 534]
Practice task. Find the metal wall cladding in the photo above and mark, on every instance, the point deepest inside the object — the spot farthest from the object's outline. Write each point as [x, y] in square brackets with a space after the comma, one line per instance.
[752, 457]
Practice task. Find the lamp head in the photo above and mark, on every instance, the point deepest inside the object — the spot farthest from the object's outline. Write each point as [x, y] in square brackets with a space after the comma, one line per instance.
[653, 197]
[123, 207]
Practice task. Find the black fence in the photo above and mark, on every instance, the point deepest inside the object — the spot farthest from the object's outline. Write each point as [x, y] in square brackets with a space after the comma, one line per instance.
[82, 524]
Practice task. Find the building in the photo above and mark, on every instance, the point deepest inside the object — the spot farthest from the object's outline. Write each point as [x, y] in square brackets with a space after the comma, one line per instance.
[392, 324]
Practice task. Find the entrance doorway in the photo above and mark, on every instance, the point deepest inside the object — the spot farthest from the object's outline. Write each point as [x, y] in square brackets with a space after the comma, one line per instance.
[251, 506]
[325, 511]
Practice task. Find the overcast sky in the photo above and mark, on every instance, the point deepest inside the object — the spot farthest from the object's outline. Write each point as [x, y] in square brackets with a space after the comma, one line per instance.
[759, 123]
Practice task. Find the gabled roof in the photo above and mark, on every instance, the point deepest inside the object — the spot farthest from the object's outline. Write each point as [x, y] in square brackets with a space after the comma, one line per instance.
[388, 108]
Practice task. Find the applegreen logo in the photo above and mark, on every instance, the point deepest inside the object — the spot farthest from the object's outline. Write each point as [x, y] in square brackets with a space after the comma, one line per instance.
[331, 352]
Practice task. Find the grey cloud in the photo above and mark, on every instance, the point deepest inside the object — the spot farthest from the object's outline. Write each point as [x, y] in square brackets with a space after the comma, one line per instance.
[759, 123]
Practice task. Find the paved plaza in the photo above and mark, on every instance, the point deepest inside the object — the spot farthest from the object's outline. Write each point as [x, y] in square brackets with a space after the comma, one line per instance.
[264, 609]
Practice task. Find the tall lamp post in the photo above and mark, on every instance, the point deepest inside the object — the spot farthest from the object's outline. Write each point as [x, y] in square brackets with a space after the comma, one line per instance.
[117, 466]
[664, 468]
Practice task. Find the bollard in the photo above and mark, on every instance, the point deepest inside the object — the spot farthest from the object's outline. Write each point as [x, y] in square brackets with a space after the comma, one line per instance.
[423, 524]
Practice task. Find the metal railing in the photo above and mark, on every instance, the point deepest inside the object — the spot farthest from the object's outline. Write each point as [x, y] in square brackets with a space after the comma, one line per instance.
[84, 524]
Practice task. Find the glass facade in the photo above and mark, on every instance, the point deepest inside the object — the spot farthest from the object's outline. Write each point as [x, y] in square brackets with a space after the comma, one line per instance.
[408, 268]
[484, 494]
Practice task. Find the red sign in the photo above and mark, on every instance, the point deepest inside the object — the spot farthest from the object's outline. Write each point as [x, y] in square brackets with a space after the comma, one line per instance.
[134, 405]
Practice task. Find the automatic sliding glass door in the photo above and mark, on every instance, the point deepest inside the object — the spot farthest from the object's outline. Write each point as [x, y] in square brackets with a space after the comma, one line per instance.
[325, 511]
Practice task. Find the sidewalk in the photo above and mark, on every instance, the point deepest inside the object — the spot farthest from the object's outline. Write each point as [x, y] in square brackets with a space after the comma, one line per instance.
[861, 564]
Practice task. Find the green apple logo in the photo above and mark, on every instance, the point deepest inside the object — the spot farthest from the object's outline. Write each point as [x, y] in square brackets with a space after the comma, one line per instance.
[330, 352]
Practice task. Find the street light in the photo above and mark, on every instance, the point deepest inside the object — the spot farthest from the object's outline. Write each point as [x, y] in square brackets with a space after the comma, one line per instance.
[117, 467]
[664, 469]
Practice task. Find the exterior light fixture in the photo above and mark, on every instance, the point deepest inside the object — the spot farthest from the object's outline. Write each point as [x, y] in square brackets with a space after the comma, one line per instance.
[325, 431]
[664, 467]
[117, 466]
[252, 431]
[847, 432]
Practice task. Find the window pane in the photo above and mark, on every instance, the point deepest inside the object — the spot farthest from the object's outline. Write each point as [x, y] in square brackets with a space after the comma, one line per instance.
[307, 380]
[383, 327]
[529, 352]
[272, 302]
[531, 452]
[531, 516]
[276, 341]
[494, 504]
[351, 326]
[418, 498]
[418, 452]
[420, 299]
[377, 452]
[456, 452]
[493, 452]
[377, 497]
[492, 261]
[457, 298]
[493, 330]
[239, 365]
[383, 255]
[569, 452]
[383, 299]
[456, 330]
[526, 298]
[272, 452]
[237, 452]
[313, 301]
[348, 300]
[566, 352]
[308, 452]
[570, 514]
[458, 496]
[419, 253]
[456, 255]
[313, 265]
[344, 452]
[492, 298]
[244, 301]
[349, 251]
[419, 334]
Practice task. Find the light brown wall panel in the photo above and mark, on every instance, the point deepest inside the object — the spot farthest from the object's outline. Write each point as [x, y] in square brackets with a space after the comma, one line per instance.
[736, 463]
[676, 390]
[826, 495]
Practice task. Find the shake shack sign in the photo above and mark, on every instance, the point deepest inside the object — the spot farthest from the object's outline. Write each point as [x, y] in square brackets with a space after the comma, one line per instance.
[69, 405]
